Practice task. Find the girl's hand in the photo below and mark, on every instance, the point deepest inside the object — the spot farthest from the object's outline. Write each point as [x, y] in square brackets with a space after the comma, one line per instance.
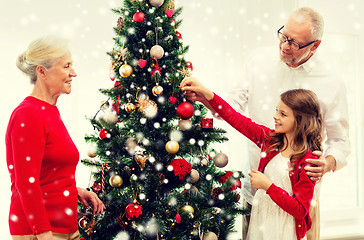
[85, 197]
[195, 90]
[259, 180]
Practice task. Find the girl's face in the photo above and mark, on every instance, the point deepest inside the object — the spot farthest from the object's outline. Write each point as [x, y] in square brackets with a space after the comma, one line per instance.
[59, 76]
[284, 119]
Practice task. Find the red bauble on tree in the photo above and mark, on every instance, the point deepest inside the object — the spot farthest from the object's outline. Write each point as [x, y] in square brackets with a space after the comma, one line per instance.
[133, 210]
[138, 17]
[185, 110]
[103, 134]
[181, 168]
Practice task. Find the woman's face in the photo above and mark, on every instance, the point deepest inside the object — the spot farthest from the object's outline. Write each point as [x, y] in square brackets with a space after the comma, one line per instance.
[59, 76]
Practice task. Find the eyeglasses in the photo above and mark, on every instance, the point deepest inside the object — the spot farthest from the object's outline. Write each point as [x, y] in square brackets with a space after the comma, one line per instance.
[295, 46]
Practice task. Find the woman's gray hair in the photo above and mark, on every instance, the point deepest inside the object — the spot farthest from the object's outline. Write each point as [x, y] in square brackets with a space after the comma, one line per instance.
[305, 14]
[43, 51]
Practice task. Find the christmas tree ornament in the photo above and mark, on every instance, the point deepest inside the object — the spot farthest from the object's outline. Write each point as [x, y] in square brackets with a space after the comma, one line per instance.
[187, 210]
[129, 107]
[173, 22]
[181, 168]
[104, 105]
[209, 236]
[156, 72]
[138, 17]
[156, 3]
[142, 63]
[133, 211]
[168, 4]
[207, 123]
[228, 176]
[169, 12]
[179, 35]
[148, 107]
[115, 181]
[185, 110]
[195, 176]
[157, 51]
[92, 150]
[112, 75]
[125, 70]
[96, 187]
[157, 90]
[178, 218]
[189, 65]
[172, 147]
[185, 125]
[220, 160]
[103, 167]
[120, 22]
[110, 117]
[216, 191]
[172, 100]
[141, 159]
[83, 222]
[104, 134]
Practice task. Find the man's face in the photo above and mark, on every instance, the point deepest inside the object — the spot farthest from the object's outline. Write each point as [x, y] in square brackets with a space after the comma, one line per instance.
[301, 34]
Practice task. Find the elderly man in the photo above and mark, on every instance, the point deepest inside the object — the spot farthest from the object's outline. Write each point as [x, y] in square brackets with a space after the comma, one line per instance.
[268, 73]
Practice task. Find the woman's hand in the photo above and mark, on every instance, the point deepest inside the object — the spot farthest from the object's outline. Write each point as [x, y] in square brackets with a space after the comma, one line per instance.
[195, 90]
[259, 180]
[85, 197]
[45, 236]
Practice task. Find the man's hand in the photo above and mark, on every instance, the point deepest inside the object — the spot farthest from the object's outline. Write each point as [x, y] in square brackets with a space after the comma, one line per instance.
[259, 180]
[320, 166]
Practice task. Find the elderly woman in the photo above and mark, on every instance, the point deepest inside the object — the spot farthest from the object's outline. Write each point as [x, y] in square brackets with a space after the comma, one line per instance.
[41, 156]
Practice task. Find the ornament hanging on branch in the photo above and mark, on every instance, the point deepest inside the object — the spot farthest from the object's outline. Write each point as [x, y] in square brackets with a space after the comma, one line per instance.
[104, 134]
[185, 125]
[207, 123]
[156, 3]
[172, 100]
[187, 210]
[221, 160]
[120, 23]
[129, 107]
[116, 181]
[169, 12]
[141, 159]
[157, 51]
[216, 192]
[168, 5]
[148, 107]
[157, 90]
[138, 17]
[125, 70]
[112, 75]
[181, 168]
[209, 236]
[142, 63]
[185, 110]
[172, 147]
[133, 211]
[96, 186]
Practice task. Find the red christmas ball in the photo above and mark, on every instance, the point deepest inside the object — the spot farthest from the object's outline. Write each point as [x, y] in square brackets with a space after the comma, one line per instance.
[189, 65]
[178, 218]
[185, 110]
[138, 17]
[103, 134]
[133, 211]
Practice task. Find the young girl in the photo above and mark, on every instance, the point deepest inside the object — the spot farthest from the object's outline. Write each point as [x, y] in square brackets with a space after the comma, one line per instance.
[281, 204]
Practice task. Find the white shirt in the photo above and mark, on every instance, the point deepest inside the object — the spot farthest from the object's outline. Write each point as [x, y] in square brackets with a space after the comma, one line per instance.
[265, 77]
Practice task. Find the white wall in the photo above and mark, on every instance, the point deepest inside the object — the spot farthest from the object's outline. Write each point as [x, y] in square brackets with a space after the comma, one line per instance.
[219, 33]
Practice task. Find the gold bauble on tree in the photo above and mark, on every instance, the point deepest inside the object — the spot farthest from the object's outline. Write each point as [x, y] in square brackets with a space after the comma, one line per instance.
[168, 5]
[157, 51]
[125, 70]
[129, 107]
[172, 146]
[157, 90]
[116, 181]
[141, 159]
[209, 236]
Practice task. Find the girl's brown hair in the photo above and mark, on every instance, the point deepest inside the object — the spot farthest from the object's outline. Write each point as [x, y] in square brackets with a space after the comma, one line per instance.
[308, 123]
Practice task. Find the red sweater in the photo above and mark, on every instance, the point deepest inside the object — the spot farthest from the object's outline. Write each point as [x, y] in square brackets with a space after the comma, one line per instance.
[297, 205]
[41, 159]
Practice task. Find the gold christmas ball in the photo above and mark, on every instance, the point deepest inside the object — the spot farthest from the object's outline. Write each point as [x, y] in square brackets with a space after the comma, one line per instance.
[157, 90]
[157, 51]
[129, 107]
[172, 147]
[126, 70]
[188, 209]
[116, 181]
[148, 107]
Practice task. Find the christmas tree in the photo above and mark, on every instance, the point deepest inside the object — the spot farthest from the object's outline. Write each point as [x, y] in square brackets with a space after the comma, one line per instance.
[156, 171]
